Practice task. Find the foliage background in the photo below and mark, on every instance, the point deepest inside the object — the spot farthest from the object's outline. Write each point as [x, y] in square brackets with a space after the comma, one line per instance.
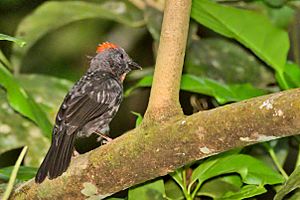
[226, 61]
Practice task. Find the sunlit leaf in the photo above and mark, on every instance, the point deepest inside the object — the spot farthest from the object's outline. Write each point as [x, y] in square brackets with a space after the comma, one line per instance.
[275, 3]
[154, 20]
[41, 94]
[268, 42]
[17, 131]
[5, 61]
[154, 190]
[22, 102]
[14, 173]
[247, 191]
[177, 176]
[18, 41]
[222, 92]
[25, 173]
[291, 184]
[282, 17]
[291, 74]
[218, 187]
[139, 118]
[251, 170]
[54, 14]
[229, 187]
[173, 191]
[226, 62]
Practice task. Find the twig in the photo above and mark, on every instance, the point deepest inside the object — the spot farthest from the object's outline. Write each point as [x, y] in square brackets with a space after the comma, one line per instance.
[149, 152]
[13, 175]
[164, 97]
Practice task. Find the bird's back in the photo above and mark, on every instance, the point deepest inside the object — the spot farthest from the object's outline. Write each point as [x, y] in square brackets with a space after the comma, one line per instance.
[89, 107]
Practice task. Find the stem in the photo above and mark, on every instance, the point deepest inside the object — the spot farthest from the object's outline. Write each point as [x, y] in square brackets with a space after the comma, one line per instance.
[298, 157]
[275, 160]
[138, 3]
[5, 61]
[157, 4]
[187, 195]
[285, 85]
[184, 178]
[185, 191]
[196, 189]
[171, 145]
[295, 44]
[164, 97]
[13, 175]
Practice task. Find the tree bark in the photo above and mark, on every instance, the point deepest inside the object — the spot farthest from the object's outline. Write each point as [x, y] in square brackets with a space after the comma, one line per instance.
[156, 149]
[151, 151]
[164, 97]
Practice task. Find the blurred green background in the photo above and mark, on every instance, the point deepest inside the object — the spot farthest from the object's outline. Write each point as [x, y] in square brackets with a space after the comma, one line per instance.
[223, 64]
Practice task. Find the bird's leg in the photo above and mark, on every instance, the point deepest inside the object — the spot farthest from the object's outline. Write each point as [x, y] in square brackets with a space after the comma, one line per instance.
[108, 139]
[75, 153]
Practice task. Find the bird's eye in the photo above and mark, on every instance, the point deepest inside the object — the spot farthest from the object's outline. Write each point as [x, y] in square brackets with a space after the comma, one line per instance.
[121, 56]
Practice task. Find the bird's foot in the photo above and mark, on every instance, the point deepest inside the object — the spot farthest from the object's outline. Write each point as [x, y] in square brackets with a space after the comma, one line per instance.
[75, 153]
[104, 139]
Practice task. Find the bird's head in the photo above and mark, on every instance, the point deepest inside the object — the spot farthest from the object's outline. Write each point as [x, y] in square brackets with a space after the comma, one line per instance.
[113, 59]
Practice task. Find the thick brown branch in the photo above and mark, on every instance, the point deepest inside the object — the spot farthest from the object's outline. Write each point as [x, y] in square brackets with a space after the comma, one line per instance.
[151, 151]
[164, 98]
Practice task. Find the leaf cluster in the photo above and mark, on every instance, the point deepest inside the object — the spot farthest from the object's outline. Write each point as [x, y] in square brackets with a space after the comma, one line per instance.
[244, 56]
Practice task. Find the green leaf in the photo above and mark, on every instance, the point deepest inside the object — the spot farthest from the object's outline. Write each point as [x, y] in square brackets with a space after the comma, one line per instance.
[229, 187]
[55, 14]
[218, 187]
[282, 17]
[49, 103]
[226, 62]
[13, 175]
[247, 191]
[177, 176]
[5, 61]
[223, 93]
[17, 131]
[173, 190]
[253, 30]
[154, 20]
[295, 195]
[275, 3]
[154, 190]
[22, 102]
[139, 118]
[291, 75]
[144, 82]
[25, 173]
[251, 170]
[19, 42]
[291, 184]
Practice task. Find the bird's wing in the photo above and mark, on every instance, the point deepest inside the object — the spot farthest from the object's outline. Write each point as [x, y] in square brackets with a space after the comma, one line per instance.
[90, 101]
[87, 100]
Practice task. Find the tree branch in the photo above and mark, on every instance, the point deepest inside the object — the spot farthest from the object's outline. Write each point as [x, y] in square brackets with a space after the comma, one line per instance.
[164, 97]
[151, 151]
[155, 149]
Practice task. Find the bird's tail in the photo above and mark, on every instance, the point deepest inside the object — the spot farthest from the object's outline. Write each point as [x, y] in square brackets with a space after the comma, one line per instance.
[58, 157]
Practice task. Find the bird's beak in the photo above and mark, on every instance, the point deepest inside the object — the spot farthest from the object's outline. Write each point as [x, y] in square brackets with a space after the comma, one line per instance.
[134, 66]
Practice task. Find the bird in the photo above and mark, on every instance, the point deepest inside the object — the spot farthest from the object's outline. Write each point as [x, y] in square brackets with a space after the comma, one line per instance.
[88, 107]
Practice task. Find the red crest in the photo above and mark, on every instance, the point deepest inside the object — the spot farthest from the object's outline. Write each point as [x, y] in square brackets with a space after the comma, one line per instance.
[105, 45]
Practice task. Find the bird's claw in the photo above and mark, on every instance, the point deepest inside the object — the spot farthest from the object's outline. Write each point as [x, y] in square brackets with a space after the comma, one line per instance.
[103, 138]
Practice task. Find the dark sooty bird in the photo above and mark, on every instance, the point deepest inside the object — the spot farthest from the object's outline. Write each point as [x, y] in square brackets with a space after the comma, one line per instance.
[88, 107]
